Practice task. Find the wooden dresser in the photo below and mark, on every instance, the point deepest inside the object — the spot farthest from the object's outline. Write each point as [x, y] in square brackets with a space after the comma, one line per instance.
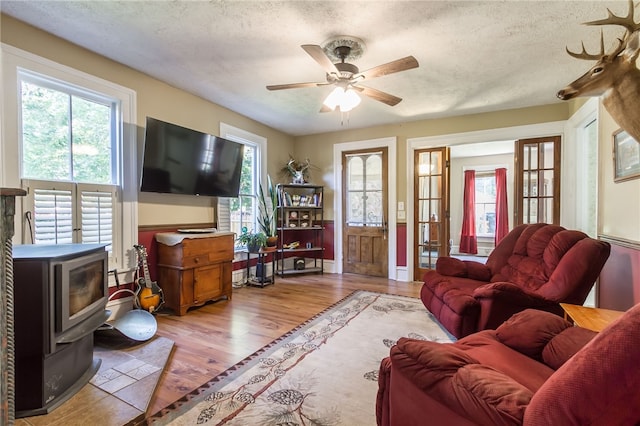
[194, 268]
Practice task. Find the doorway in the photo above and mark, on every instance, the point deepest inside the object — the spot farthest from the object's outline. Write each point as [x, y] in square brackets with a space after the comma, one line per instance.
[364, 203]
[370, 145]
[484, 159]
[463, 141]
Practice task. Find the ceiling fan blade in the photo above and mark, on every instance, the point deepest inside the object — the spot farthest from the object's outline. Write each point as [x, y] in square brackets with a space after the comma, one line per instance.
[320, 57]
[379, 95]
[389, 68]
[294, 85]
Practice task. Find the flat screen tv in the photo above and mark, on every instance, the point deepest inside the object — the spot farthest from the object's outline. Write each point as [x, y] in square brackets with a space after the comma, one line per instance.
[178, 160]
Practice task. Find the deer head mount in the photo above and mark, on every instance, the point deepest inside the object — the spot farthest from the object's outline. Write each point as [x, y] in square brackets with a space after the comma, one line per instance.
[615, 75]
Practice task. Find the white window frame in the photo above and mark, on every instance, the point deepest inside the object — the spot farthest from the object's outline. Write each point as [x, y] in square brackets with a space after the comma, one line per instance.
[255, 181]
[235, 134]
[485, 173]
[44, 81]
[13, 61]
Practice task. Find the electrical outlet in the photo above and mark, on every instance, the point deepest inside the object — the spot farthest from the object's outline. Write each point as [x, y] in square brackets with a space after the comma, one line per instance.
[401, 214]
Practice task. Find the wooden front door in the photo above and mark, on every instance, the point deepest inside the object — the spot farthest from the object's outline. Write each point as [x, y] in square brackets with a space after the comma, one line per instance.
[537, 182]
[364, 181]
[431, 209]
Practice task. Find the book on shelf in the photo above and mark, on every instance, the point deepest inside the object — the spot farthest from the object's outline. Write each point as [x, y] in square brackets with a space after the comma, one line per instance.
[285, 199]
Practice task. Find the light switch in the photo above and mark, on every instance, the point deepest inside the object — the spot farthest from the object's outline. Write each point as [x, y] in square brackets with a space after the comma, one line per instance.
[400, 205]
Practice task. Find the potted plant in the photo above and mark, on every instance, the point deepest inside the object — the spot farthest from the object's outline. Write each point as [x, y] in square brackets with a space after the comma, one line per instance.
[254, 241]
[268, 212]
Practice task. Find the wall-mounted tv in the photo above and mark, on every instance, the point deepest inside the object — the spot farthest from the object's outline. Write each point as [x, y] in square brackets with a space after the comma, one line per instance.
[178, 160]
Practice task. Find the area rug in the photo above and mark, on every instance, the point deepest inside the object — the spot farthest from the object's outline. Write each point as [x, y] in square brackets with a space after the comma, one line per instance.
[324, 372]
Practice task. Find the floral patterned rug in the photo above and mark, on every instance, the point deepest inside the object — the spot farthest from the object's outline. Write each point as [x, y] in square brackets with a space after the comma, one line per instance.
[322, 373]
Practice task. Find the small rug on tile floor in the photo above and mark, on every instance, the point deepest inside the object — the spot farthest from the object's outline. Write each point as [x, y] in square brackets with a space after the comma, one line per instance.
[324, 372]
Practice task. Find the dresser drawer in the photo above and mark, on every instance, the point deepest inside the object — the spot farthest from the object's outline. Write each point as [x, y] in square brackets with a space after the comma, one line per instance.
[195, 261]
[194, 252]
[215, 249]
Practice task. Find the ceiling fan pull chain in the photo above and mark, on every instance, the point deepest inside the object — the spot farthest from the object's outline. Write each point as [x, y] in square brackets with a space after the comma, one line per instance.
[342, 115]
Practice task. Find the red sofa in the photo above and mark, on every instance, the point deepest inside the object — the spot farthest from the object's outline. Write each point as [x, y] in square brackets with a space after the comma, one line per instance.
[535, 369]
[534, 266]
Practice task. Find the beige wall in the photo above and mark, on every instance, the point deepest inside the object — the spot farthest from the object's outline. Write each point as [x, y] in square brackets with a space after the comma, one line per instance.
[155, 99]
[319, 147]
[618, 203]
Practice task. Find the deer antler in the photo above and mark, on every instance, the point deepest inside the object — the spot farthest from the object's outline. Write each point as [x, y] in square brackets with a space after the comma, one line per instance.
[625, 21]
[306, 165]
[613, 19]
[588, 56]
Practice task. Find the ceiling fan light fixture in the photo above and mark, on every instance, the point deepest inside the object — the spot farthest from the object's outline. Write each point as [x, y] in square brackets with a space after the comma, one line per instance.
[349, 101]
[334, 98]
[345, 99]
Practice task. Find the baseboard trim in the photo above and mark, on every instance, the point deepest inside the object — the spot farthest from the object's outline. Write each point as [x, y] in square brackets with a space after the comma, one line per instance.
[402, 274]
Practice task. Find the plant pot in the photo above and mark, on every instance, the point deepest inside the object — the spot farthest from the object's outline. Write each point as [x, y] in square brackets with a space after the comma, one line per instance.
[253, 247]
[272, 241]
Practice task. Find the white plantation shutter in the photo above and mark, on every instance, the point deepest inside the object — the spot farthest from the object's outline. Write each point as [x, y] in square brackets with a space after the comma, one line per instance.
[62, 212]
[96, 214]
[52, 215]
[224, 215]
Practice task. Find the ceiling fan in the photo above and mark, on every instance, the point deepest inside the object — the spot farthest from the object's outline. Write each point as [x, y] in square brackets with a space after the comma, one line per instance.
[346, 76]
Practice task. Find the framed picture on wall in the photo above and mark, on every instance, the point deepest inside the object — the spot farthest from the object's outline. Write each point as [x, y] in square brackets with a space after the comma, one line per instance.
[626, 157]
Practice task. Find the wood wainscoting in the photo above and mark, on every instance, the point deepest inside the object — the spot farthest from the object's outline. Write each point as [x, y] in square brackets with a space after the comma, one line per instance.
[619, 283]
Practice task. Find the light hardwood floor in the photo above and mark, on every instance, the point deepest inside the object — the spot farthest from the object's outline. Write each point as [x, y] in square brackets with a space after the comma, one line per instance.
[212, 338]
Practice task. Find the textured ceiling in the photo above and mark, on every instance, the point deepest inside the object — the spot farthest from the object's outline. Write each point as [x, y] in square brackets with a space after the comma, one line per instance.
[474, 56]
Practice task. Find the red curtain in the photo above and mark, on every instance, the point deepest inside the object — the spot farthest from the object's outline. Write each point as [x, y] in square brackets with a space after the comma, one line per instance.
[502, 209]
[468, 239]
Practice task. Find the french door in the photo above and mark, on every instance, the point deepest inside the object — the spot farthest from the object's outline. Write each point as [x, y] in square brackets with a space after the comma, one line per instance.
[431, 208]
[537, 180]
[365, 242]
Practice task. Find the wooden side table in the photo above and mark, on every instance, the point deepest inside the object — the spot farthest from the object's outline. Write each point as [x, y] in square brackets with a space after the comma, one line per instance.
[595, 319]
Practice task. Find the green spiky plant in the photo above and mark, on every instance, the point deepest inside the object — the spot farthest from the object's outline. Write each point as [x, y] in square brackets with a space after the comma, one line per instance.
[268, 209]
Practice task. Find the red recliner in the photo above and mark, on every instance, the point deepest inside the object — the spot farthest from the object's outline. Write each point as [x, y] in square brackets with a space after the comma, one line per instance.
[536, 369]
[534, 266]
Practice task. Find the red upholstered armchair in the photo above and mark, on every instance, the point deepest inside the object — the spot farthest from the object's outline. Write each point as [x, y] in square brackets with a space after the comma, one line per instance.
[534, 266]
[535, 369]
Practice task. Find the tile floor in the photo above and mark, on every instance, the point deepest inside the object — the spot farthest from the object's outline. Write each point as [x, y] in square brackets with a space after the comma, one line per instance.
[121, 390]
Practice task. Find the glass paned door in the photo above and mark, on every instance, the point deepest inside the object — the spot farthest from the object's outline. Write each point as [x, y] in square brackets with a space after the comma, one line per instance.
[538, 180]
[365, 205]
[431, 204]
